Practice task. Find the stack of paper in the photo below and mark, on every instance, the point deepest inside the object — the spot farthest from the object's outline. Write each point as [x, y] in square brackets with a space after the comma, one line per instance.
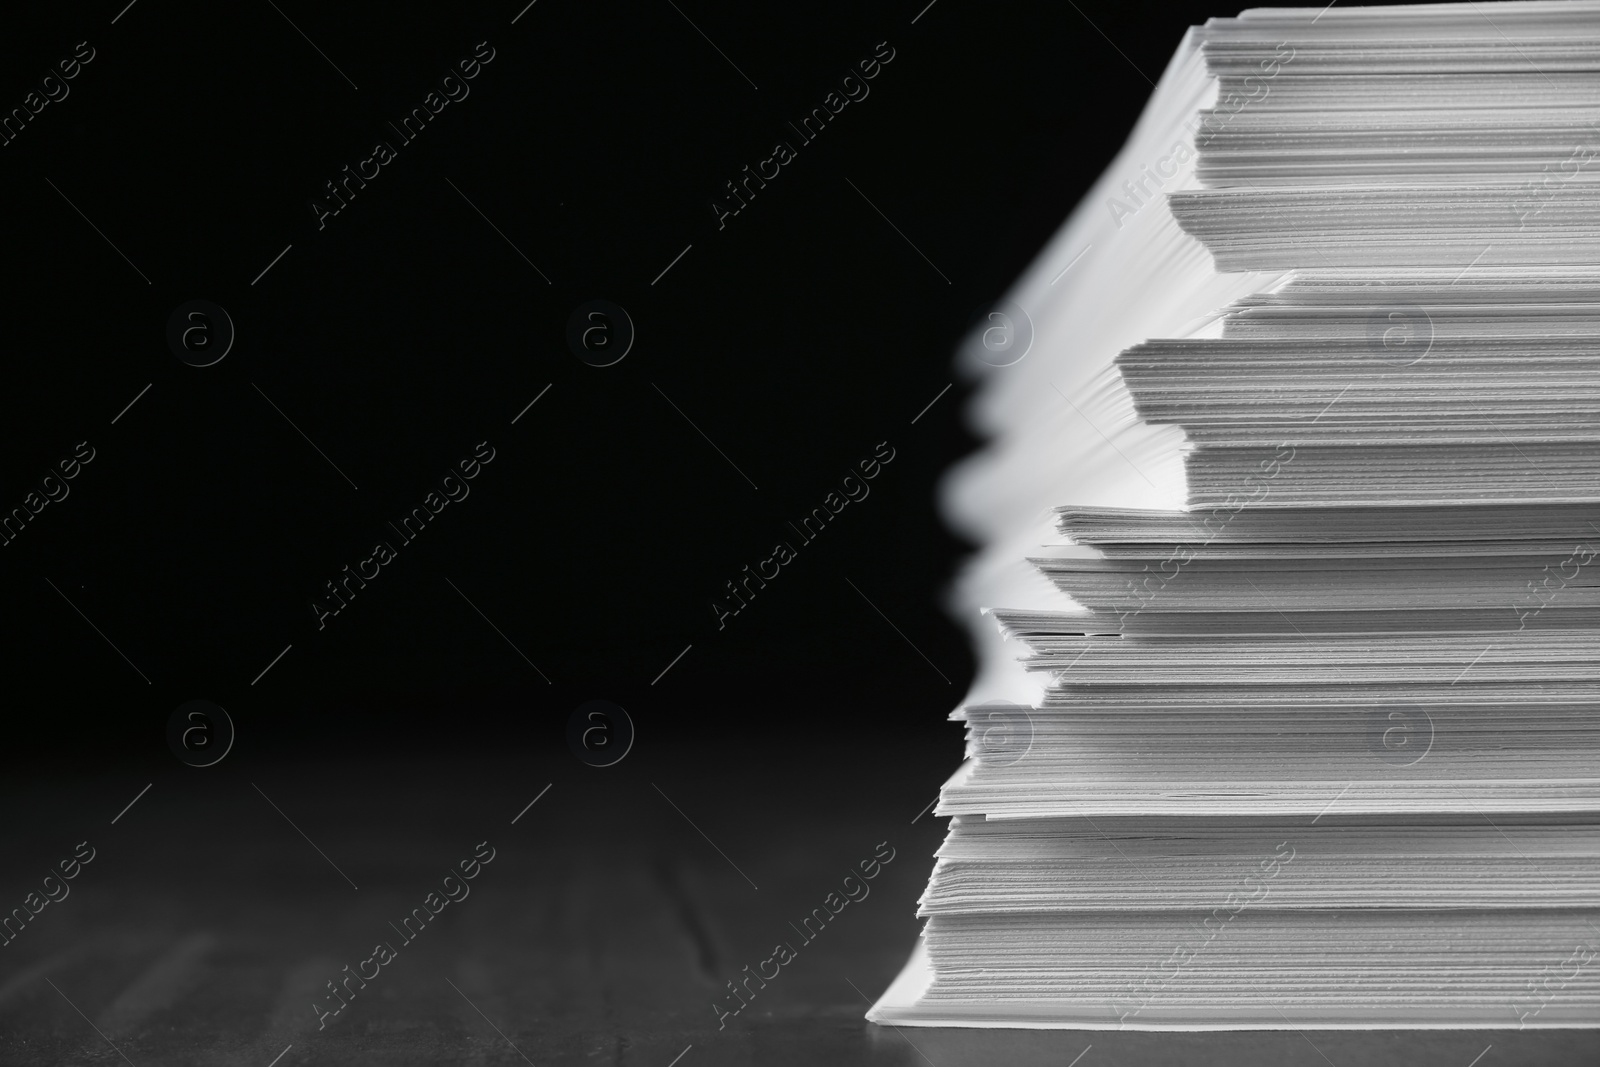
[1306, 726]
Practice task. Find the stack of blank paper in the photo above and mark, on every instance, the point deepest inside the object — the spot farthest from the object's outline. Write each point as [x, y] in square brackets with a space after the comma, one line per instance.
[1297, 720]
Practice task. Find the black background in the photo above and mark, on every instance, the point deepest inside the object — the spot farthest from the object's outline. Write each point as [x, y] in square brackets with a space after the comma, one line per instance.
[407, 330]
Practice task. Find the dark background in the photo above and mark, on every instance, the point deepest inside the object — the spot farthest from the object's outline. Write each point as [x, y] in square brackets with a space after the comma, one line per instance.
[797, 338]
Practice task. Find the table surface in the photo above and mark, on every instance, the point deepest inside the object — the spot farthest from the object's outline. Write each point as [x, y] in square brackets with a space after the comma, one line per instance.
[219, 906]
